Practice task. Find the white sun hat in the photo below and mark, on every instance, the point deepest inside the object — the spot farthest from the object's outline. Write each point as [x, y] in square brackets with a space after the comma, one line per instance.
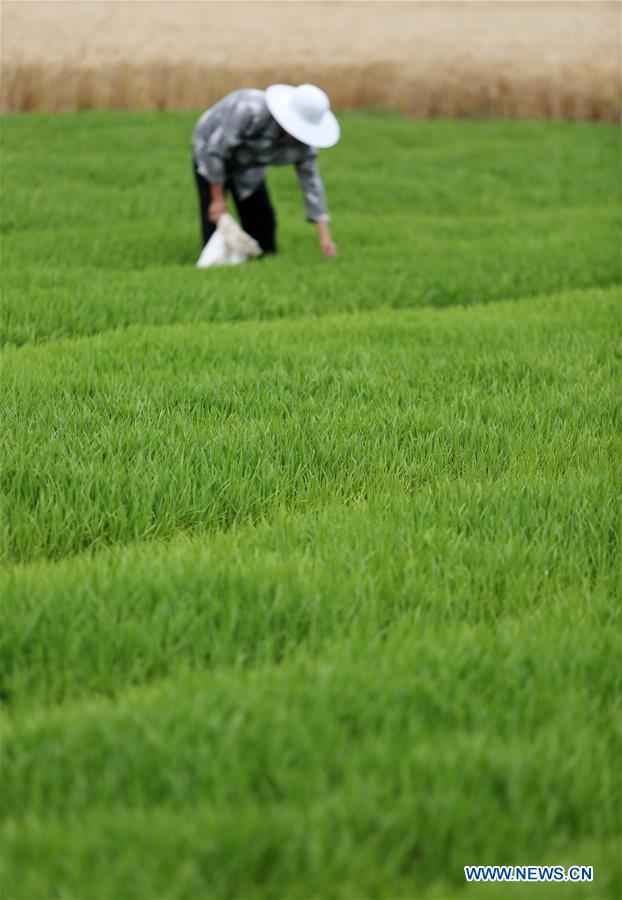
[304, 112]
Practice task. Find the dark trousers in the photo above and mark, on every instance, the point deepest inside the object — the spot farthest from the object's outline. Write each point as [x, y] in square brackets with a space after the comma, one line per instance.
[257, 216]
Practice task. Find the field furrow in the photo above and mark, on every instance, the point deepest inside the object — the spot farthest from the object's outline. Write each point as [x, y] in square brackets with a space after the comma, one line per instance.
[154, 431]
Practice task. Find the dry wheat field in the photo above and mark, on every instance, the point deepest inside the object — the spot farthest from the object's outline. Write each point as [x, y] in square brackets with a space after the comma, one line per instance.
[512, 59]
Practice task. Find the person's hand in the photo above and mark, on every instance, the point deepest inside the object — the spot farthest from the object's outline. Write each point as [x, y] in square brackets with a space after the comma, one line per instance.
[217, 207]
[326, 242]
[328, 247]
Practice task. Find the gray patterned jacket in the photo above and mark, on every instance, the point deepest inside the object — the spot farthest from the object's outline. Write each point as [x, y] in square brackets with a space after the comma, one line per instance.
[237, 138]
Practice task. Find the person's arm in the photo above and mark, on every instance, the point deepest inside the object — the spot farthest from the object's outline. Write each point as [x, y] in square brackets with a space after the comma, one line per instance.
[315, 203]
[231, 120]
[218, 206]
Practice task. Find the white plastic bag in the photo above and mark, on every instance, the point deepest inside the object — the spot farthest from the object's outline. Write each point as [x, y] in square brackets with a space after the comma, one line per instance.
[228, 246]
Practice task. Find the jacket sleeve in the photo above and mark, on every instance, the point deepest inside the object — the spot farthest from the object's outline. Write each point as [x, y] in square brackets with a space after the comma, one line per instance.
[232, 120]
[312, 188]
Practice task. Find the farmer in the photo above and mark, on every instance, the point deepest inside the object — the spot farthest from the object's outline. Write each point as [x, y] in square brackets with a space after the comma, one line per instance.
[236, 139]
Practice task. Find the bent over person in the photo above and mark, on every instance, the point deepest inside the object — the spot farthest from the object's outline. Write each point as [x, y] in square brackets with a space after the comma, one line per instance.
[248, 130]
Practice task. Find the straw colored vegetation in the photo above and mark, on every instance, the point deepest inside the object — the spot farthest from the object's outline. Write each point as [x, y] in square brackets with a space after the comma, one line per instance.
[310, 567]
[512, 59]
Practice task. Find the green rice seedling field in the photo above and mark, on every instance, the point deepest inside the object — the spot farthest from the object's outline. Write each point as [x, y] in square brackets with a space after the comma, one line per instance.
[311, 569]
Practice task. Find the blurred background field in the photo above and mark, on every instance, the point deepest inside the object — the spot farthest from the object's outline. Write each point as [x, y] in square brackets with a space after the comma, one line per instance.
[527, 59]
[102, 231]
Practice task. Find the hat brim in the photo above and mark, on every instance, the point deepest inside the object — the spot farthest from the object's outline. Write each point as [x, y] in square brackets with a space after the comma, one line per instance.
[324, 134]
